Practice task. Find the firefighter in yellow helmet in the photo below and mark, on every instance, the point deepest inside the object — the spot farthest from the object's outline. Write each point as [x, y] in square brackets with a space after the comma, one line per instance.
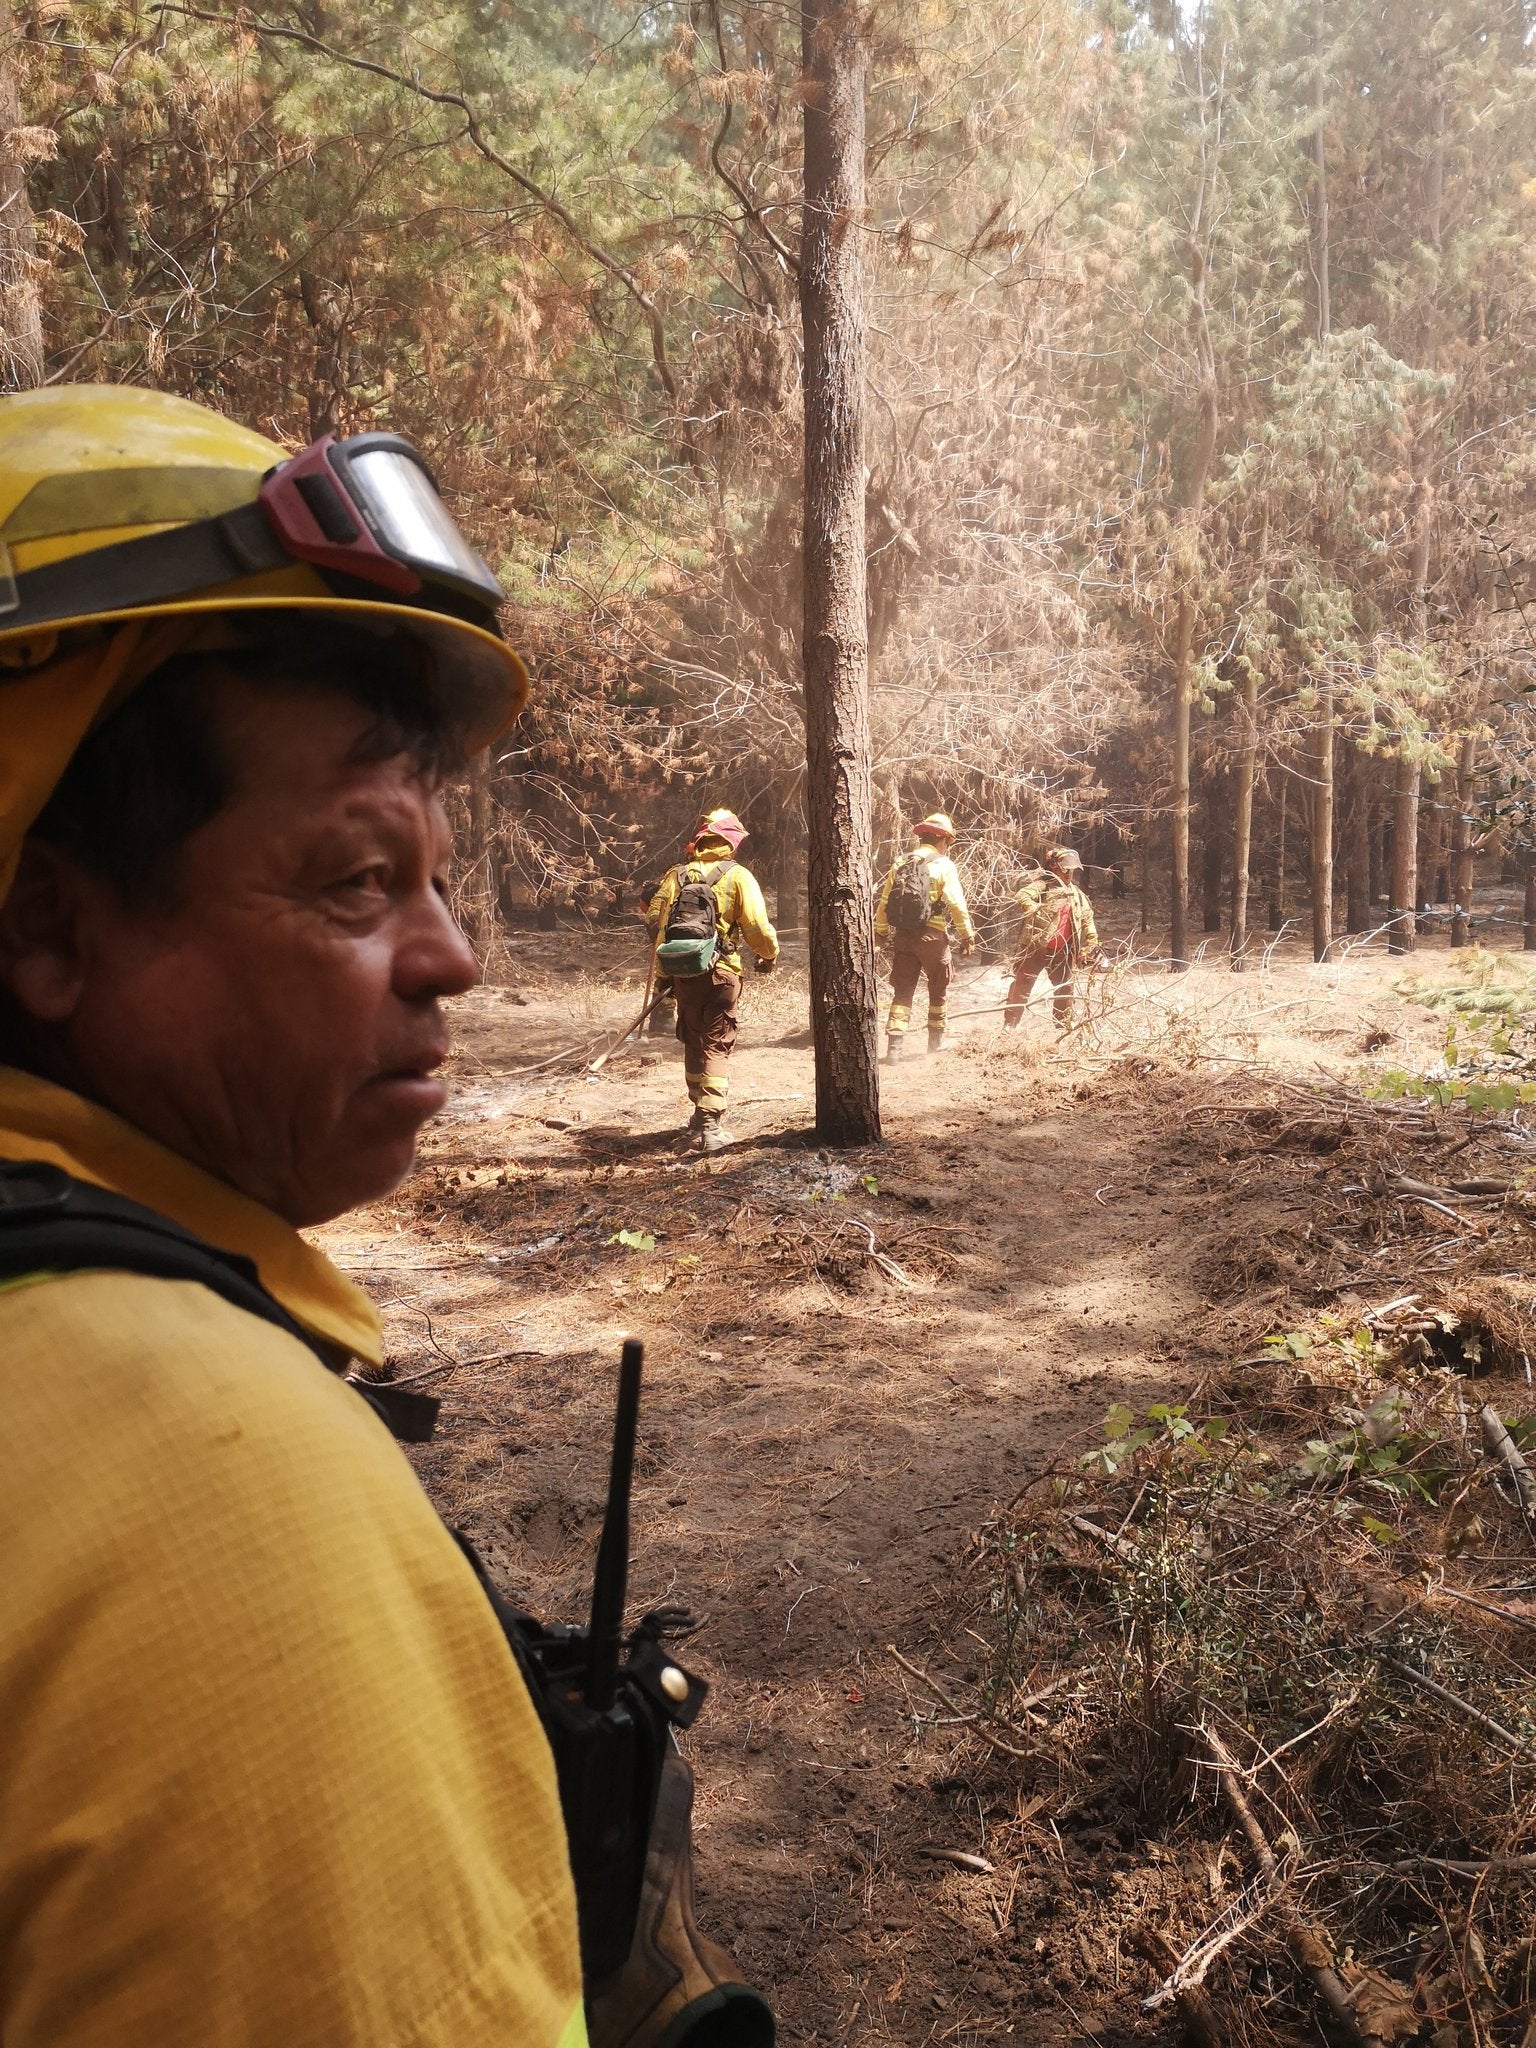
[273, 1778]
[1057, 935]
[921, 899]
[700, 916]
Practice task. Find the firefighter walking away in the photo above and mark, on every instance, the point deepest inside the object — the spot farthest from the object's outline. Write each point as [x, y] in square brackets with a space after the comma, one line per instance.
[1056, 936]
[700, 915]
[921, 900]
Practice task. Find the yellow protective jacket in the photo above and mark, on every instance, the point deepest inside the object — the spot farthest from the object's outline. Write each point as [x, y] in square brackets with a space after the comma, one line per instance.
[740, 910]
[945, 892]
[1042, 901]
[270, 1778]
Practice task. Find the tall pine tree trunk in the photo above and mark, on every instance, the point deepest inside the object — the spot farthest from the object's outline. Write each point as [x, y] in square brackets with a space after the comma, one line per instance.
[1213, 848]
[479, 884]
[789, 863]
[1178, 911]
[1322, 830]
[1186, 545]
[840, 899]
[1277, 880]
[1462, 852]
[1242, 818]
[21, 321]
[1322, 799]
[1403, 927]
[1357, 857]
[1405, 795]
[1434, 882]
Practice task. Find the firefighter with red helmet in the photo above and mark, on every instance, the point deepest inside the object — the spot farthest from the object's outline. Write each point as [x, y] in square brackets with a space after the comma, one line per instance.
[704, 910]
[1057, 935]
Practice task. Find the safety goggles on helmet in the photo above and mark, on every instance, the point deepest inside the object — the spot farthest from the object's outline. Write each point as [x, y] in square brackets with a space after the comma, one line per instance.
[364, 511]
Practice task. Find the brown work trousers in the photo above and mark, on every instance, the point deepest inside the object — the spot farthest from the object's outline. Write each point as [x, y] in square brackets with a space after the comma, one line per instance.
[914, 954]
[706, 1024]
[1026, 972]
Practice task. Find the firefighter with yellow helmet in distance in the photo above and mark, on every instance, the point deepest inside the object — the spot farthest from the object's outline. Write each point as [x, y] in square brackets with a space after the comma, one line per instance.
[920, 900]
[1057, 935]
[272, 1778]
[704, 909]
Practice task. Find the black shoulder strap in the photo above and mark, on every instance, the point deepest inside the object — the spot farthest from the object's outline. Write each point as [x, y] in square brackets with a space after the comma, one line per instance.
[52, 1223]
[718, 872]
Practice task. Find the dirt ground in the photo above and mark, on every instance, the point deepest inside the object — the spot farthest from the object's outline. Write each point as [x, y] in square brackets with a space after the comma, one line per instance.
[852, 1359]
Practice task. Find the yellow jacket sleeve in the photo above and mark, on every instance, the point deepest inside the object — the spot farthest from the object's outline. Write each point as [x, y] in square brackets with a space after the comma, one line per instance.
[661, 903]
[952, 895]
[271, 1777]
[746, 911]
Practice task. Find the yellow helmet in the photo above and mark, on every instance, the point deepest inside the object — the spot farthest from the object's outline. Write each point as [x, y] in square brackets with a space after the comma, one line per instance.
[118, 504]
[937, 825]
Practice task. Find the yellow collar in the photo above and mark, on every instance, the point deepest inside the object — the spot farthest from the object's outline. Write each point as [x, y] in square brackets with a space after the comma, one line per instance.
[41, 1121]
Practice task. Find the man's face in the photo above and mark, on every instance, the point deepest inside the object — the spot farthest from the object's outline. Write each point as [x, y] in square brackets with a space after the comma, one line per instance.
[280, 1023]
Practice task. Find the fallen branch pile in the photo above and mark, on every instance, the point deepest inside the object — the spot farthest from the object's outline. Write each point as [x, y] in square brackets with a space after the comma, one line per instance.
[1287, 1634]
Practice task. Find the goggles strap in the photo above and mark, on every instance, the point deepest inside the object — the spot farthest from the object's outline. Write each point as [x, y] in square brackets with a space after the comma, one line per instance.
[156, 567]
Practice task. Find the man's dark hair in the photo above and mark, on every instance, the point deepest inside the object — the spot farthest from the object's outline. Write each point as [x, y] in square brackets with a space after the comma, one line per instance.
[159, 767]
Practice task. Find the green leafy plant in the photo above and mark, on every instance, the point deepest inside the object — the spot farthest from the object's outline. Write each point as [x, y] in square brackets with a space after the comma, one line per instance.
[1376, 1449]
[1166, 1425]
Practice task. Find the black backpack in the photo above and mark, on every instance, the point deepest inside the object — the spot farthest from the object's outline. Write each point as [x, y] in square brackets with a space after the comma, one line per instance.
[691, 940]
[909, 906]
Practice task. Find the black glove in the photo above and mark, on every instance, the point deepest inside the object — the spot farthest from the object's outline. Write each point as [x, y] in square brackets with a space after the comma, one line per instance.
[763, 966]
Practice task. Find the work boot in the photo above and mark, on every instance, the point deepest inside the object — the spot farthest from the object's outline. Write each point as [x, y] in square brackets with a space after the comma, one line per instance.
[935, 1038]
[893, 1047]
[713, 1136]
[696, 1121]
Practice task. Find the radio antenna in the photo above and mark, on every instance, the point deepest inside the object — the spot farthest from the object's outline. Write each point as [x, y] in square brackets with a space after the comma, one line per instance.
[610, 1584]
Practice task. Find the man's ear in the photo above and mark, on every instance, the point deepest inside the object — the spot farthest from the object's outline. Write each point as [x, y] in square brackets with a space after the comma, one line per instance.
[42, 964]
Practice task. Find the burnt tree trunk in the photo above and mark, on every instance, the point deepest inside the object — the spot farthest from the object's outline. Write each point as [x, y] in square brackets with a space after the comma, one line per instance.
[1242, 817]
[840, 899]
[21, 319]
